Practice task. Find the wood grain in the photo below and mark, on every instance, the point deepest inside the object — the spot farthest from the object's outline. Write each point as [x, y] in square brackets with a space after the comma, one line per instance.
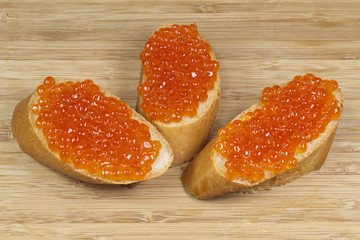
[258, 44]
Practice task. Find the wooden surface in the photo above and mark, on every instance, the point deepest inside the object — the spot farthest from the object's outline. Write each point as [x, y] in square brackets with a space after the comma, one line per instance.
[258, 44]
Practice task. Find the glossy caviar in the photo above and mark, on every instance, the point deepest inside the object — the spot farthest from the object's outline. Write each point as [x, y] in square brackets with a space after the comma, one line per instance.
[268, 138]
[93, 131]
[179, 72]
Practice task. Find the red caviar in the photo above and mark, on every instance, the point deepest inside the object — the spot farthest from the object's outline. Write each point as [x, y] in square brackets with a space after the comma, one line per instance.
[94, 132]
[268, 138]
[179, 72]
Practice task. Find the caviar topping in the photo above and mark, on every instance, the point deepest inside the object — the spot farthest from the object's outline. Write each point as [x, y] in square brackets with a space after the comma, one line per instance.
[179, 72]
[94, 132]
[268, 138]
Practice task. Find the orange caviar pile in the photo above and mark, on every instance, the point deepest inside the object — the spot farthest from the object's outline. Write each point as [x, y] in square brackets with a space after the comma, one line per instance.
[179, 72]
[268, 138]
[93, 131]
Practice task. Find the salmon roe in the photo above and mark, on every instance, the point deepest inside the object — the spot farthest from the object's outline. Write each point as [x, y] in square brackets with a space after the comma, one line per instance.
[179, 72]
[94, 132]
[268, 138]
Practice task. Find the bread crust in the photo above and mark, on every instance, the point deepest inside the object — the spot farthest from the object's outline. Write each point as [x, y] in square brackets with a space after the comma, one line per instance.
[190, 135]
[205, 177]
[32, 142]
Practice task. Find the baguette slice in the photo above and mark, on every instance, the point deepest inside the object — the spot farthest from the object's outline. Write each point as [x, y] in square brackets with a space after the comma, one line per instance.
[190, 135]
[205, 176]
[33, 142]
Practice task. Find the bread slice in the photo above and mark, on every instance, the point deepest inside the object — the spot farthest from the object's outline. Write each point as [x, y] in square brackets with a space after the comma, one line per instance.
[205, 176]
[33, 142]
[190, 135]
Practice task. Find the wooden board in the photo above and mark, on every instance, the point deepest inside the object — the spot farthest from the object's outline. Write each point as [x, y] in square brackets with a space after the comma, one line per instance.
[258, 44]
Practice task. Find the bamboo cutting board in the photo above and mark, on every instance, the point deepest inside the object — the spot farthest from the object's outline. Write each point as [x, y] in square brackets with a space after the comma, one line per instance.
[258, 44]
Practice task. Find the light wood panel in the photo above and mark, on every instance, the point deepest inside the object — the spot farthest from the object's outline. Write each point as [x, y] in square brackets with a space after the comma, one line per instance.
[258, 44]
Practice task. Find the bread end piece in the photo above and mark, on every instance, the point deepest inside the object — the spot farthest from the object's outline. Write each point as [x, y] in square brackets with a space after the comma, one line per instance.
[32, 142]
[205, 179]
[190, 135]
